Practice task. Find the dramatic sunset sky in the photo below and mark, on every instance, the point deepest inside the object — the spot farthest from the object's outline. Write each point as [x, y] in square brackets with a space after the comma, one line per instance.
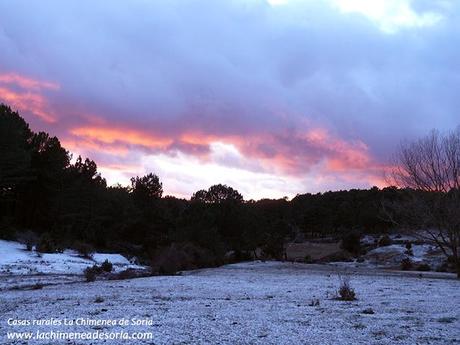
[271, 97]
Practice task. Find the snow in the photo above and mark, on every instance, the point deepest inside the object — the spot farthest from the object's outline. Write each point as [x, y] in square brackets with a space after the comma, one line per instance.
[257, 303]
[14, 259]
[245, 303]
[115, 259]
[11, 252]
[394, 248]
[392, 255]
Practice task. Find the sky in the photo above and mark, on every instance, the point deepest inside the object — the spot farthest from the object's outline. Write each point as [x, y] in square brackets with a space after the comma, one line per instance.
[272, 97]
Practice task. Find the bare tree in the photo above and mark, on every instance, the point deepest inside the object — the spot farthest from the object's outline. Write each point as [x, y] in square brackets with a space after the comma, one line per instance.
[430, 168]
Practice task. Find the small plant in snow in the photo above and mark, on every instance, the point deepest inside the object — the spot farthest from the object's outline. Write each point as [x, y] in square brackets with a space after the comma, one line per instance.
[107, 266]
[368, 311]
[346, 292]
[314, 302]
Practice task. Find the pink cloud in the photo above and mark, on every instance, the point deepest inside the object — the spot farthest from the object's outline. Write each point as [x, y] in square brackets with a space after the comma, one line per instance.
[27, 83]
[303, 151]
[289, 153]
[26, 95]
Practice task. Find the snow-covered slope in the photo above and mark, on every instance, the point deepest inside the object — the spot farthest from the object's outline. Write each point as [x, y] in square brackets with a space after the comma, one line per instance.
[392, 255]
[14, 259]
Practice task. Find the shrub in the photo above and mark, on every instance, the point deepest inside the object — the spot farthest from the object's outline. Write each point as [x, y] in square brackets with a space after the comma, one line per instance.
[424, 267]
[406, 264]
[46, 244]
[273, 248]
[84, 249]
[352, 242]
[177, 257]
[201, 257]
[384, 241]
[91, 273]
[308, 259]
[444, 267]
[107, 266]
[368, 311]
[441, 268]
[346, 292]
[170, 260]
[28, 238]
[128, 273]
[314, 302]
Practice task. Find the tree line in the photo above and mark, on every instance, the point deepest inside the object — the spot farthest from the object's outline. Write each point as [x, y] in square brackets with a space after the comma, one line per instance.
[67, 203]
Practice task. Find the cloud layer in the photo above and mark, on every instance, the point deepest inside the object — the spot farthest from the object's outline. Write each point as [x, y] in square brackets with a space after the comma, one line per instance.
[275, 98]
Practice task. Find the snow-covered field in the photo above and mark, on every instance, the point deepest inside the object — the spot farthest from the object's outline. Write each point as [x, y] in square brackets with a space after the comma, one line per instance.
[253, 303]
[20, 268]
[14, 259]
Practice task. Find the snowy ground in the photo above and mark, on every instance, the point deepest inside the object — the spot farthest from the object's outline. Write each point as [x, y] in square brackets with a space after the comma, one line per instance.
[254, 303]
[14, 259]
[20, 268]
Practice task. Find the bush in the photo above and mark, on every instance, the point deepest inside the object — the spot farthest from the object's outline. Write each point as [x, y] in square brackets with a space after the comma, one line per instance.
[84, 249]
[444, 267]
[424, 267]
[201, 257]
[346, 292]
[352, 242]
[385, 240]
[185, 256]
[28, 238]
[170, 260]
[107, 266]
[46, 244]
[128, 273]
[308, 259]
[314, 302]
[91, 273]
[406, 264]
[368, 311]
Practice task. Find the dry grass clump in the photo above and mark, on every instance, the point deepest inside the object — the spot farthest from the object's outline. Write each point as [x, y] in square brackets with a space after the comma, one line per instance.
[345, 292]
